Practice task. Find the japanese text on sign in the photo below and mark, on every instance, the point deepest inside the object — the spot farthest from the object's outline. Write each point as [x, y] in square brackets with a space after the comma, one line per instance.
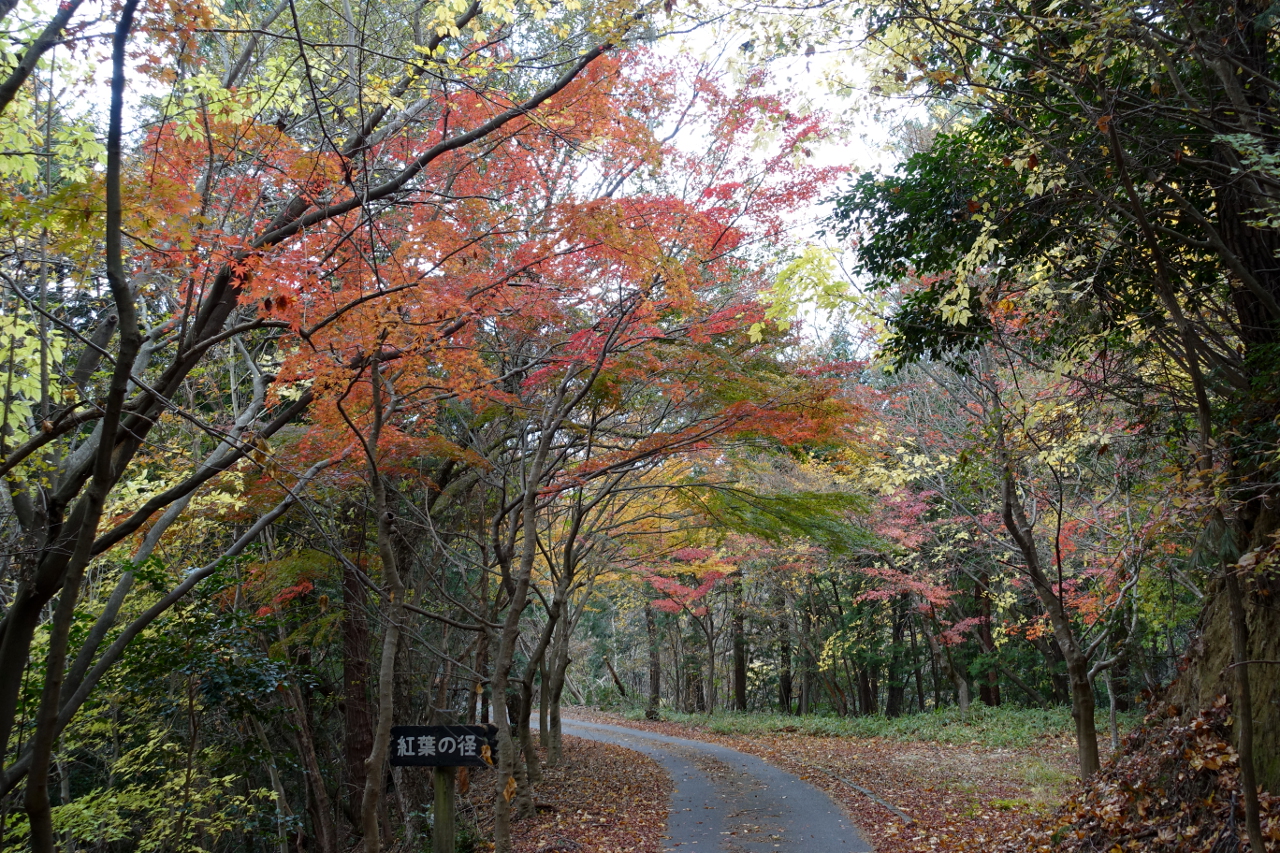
[443, 746]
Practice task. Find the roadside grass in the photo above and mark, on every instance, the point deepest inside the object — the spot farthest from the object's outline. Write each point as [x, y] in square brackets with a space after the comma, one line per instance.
[1005, 727]
[1045, 781]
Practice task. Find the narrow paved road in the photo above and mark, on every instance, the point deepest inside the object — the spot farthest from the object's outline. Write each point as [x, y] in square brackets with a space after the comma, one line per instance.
[727, 801]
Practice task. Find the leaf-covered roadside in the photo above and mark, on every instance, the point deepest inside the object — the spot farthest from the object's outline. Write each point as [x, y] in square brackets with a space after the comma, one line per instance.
[601, 798]
[957, 796]
[1174, 787]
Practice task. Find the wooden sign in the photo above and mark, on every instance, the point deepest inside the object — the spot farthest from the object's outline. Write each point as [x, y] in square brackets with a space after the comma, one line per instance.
[443, 746]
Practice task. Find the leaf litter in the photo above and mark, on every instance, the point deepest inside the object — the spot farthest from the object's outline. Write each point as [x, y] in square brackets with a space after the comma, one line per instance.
[600, 799]
[1174, 786]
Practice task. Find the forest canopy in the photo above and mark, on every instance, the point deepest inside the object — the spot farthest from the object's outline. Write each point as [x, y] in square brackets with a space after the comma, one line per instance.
[450, 362]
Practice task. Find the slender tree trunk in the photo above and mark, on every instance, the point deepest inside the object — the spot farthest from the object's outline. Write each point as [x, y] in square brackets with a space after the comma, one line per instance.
[559, 671]
[63, 565]
[481, 699]
[806, 658]
[508, 765]
[322, 814]
[695, 696]
[712, 692]
[538, 663]
[1055, 664]
[544, 704]
[284, 813]
[1114, 724]
[919, 668]
[894, 704]
[372, 817]
[784, 653]
[865, 702]
[442, 688]
[988, 692]
[942, 661]
[851, 708]
[655, 663]
[739, 647]
[1244, 711]
[375, 766]
[532, 766]
[1082, 703]
[358, 724]
[613, 673]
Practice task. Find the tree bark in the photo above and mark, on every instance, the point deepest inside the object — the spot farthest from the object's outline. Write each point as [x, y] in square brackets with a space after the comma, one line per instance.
[866, 703]
[784, 653]
[559, 673]
[544, 704]
[806, 657]
[613, 673]
[64, 565]
[507, 765]
[989, 691]
[655, 663]
[897, 693]
[357, 739]
[1082, 702]
[918, 667]
[371, 804]
[322, 813]
[1244, 712]
[739, 647]
[942, 662]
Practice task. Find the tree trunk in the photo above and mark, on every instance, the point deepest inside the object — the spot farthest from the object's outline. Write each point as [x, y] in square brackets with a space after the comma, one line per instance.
[1244, 711]
[537, 663]
[739, 648]
[508, 766]
[559, 677]
[989, 691]
[1055, 664]
[544, 704]
[613, 673]
[529, 771]
[1111, 716]
[784, 653]
[896, 700]
[918, 667]
[358, 725]
[372, 811]
[806, 658]
[655, 663]
[1208, 673]
[322, 808]
[1082, 703]
[371, 804]
[942, 662]
[712, 694]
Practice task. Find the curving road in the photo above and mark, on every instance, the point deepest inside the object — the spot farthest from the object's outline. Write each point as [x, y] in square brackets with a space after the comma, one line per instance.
[727, 801]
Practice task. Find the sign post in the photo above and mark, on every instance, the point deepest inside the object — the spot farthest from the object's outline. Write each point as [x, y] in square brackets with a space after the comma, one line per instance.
[444, 748]
[443, 830]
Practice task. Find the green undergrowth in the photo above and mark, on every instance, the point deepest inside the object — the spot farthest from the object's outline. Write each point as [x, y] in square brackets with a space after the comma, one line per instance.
[1005, 727]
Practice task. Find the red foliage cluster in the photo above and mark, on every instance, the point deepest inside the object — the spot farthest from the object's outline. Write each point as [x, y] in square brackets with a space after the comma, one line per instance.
[679, 597]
